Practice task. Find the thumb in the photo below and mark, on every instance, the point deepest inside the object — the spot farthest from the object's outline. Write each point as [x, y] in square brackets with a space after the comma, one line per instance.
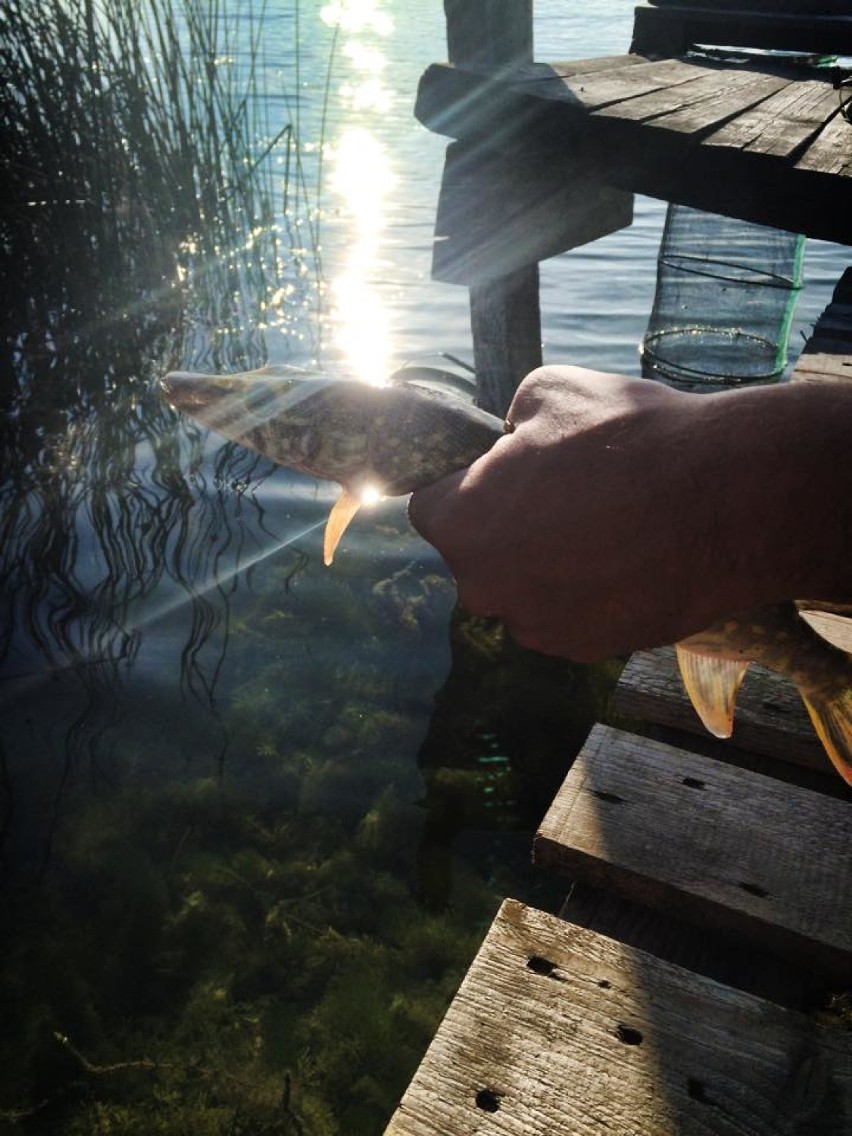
[429, 507]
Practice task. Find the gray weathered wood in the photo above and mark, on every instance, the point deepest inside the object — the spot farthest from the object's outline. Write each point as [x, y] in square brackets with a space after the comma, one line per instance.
[701, 104]
[504, 310]
[772, 7]
[698, 948]
[496, 214]
[708, 842]
[770, 717]
[831, 150]
[782, 123]
[506, 325]
[491, 33]
[557, 1031]
[798, 178]
[622, 83]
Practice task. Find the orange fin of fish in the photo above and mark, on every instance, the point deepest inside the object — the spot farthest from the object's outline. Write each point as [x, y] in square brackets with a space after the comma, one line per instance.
[712, 683]
[345, 508]
[832, 719]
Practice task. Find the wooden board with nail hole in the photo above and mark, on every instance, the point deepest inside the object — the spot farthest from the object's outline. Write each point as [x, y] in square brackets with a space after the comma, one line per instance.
[708, 842]
[558, 1031]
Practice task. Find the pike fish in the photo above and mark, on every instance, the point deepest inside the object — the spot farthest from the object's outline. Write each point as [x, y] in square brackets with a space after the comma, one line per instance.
[390, 440]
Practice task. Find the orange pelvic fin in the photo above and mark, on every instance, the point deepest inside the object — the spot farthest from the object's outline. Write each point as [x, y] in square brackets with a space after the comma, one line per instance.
[712, 683]
[345, 508]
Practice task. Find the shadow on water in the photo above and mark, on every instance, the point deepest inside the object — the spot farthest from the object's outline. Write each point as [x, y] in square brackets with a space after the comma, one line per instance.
[245, 858]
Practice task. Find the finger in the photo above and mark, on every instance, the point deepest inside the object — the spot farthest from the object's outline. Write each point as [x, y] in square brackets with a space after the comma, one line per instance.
[427, 507]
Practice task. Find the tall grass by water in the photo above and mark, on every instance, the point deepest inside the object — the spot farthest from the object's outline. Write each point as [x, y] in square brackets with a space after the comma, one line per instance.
[136, 146]
[141, 227]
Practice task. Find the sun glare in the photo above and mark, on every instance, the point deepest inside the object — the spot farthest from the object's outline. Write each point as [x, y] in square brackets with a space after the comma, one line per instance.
[370, 495]
[362, 178]
[357, 16]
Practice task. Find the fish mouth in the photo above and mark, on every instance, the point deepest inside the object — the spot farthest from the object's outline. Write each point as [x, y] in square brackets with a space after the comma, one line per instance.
[191, 392]
[230, 404]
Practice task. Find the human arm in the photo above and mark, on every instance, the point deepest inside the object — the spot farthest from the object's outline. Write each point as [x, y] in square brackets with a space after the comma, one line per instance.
[621, 514]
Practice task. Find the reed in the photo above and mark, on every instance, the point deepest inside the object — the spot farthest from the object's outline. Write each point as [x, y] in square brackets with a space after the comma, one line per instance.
[136, 144]
[139, 229]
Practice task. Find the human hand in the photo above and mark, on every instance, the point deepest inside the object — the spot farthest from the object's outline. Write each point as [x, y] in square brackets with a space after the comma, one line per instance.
[621, 514]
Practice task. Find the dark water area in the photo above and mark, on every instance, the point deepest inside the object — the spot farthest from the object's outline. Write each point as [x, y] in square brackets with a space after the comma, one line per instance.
[256, 814]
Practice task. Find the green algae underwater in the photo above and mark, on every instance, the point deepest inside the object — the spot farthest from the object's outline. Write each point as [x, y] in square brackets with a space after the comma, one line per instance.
[255, 816]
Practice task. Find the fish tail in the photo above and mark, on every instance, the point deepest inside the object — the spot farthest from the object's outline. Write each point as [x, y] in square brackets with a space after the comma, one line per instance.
[832, 720]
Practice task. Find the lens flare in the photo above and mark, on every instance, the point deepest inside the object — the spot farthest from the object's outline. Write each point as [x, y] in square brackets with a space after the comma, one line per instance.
[371, 495]
[362, 178]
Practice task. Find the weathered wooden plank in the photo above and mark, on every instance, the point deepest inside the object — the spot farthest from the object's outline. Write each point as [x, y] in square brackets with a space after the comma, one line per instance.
[774, 7]
[621, 84]
[496, 214]
[571, 67]
[489, 32]
[770, 718]
[708, 842]
[831, 361]
[636, 156]
[699, 949]
[701, 104]
[471, 101]
[831, 150]
[781, 124]
[557, 1031]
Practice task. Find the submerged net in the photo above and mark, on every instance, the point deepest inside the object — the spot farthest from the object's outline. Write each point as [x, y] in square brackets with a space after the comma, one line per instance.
[726, 291]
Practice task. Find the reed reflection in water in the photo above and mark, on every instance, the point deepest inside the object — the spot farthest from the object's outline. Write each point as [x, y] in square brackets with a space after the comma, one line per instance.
[139, 232]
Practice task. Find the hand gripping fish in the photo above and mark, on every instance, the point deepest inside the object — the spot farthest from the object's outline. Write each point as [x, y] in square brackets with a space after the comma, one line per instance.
[400, 437]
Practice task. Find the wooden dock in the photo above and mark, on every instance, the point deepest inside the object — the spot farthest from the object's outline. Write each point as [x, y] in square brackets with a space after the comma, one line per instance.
[698, 981]
[760, 140]
[709, 907]
[547, 155]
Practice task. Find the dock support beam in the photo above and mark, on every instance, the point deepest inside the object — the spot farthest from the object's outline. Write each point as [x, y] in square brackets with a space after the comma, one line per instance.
[504, 310]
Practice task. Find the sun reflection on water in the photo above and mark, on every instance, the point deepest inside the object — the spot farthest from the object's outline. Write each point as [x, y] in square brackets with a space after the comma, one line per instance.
[361, 181]
[358, 16]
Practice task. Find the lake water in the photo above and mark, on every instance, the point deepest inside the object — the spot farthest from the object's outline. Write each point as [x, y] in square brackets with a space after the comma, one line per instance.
[256, 814]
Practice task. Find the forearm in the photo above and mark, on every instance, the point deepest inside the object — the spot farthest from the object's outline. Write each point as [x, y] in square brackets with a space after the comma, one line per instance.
[789, 490]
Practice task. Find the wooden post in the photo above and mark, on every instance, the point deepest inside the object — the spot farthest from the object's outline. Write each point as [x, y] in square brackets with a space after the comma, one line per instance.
[506, 325]
[505, 314]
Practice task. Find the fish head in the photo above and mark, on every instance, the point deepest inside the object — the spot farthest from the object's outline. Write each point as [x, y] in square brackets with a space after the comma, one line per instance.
[317, 425]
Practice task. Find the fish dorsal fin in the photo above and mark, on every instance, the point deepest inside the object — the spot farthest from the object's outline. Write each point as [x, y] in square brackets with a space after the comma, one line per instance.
[832, 719]
[345, 508]
[712, 683]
